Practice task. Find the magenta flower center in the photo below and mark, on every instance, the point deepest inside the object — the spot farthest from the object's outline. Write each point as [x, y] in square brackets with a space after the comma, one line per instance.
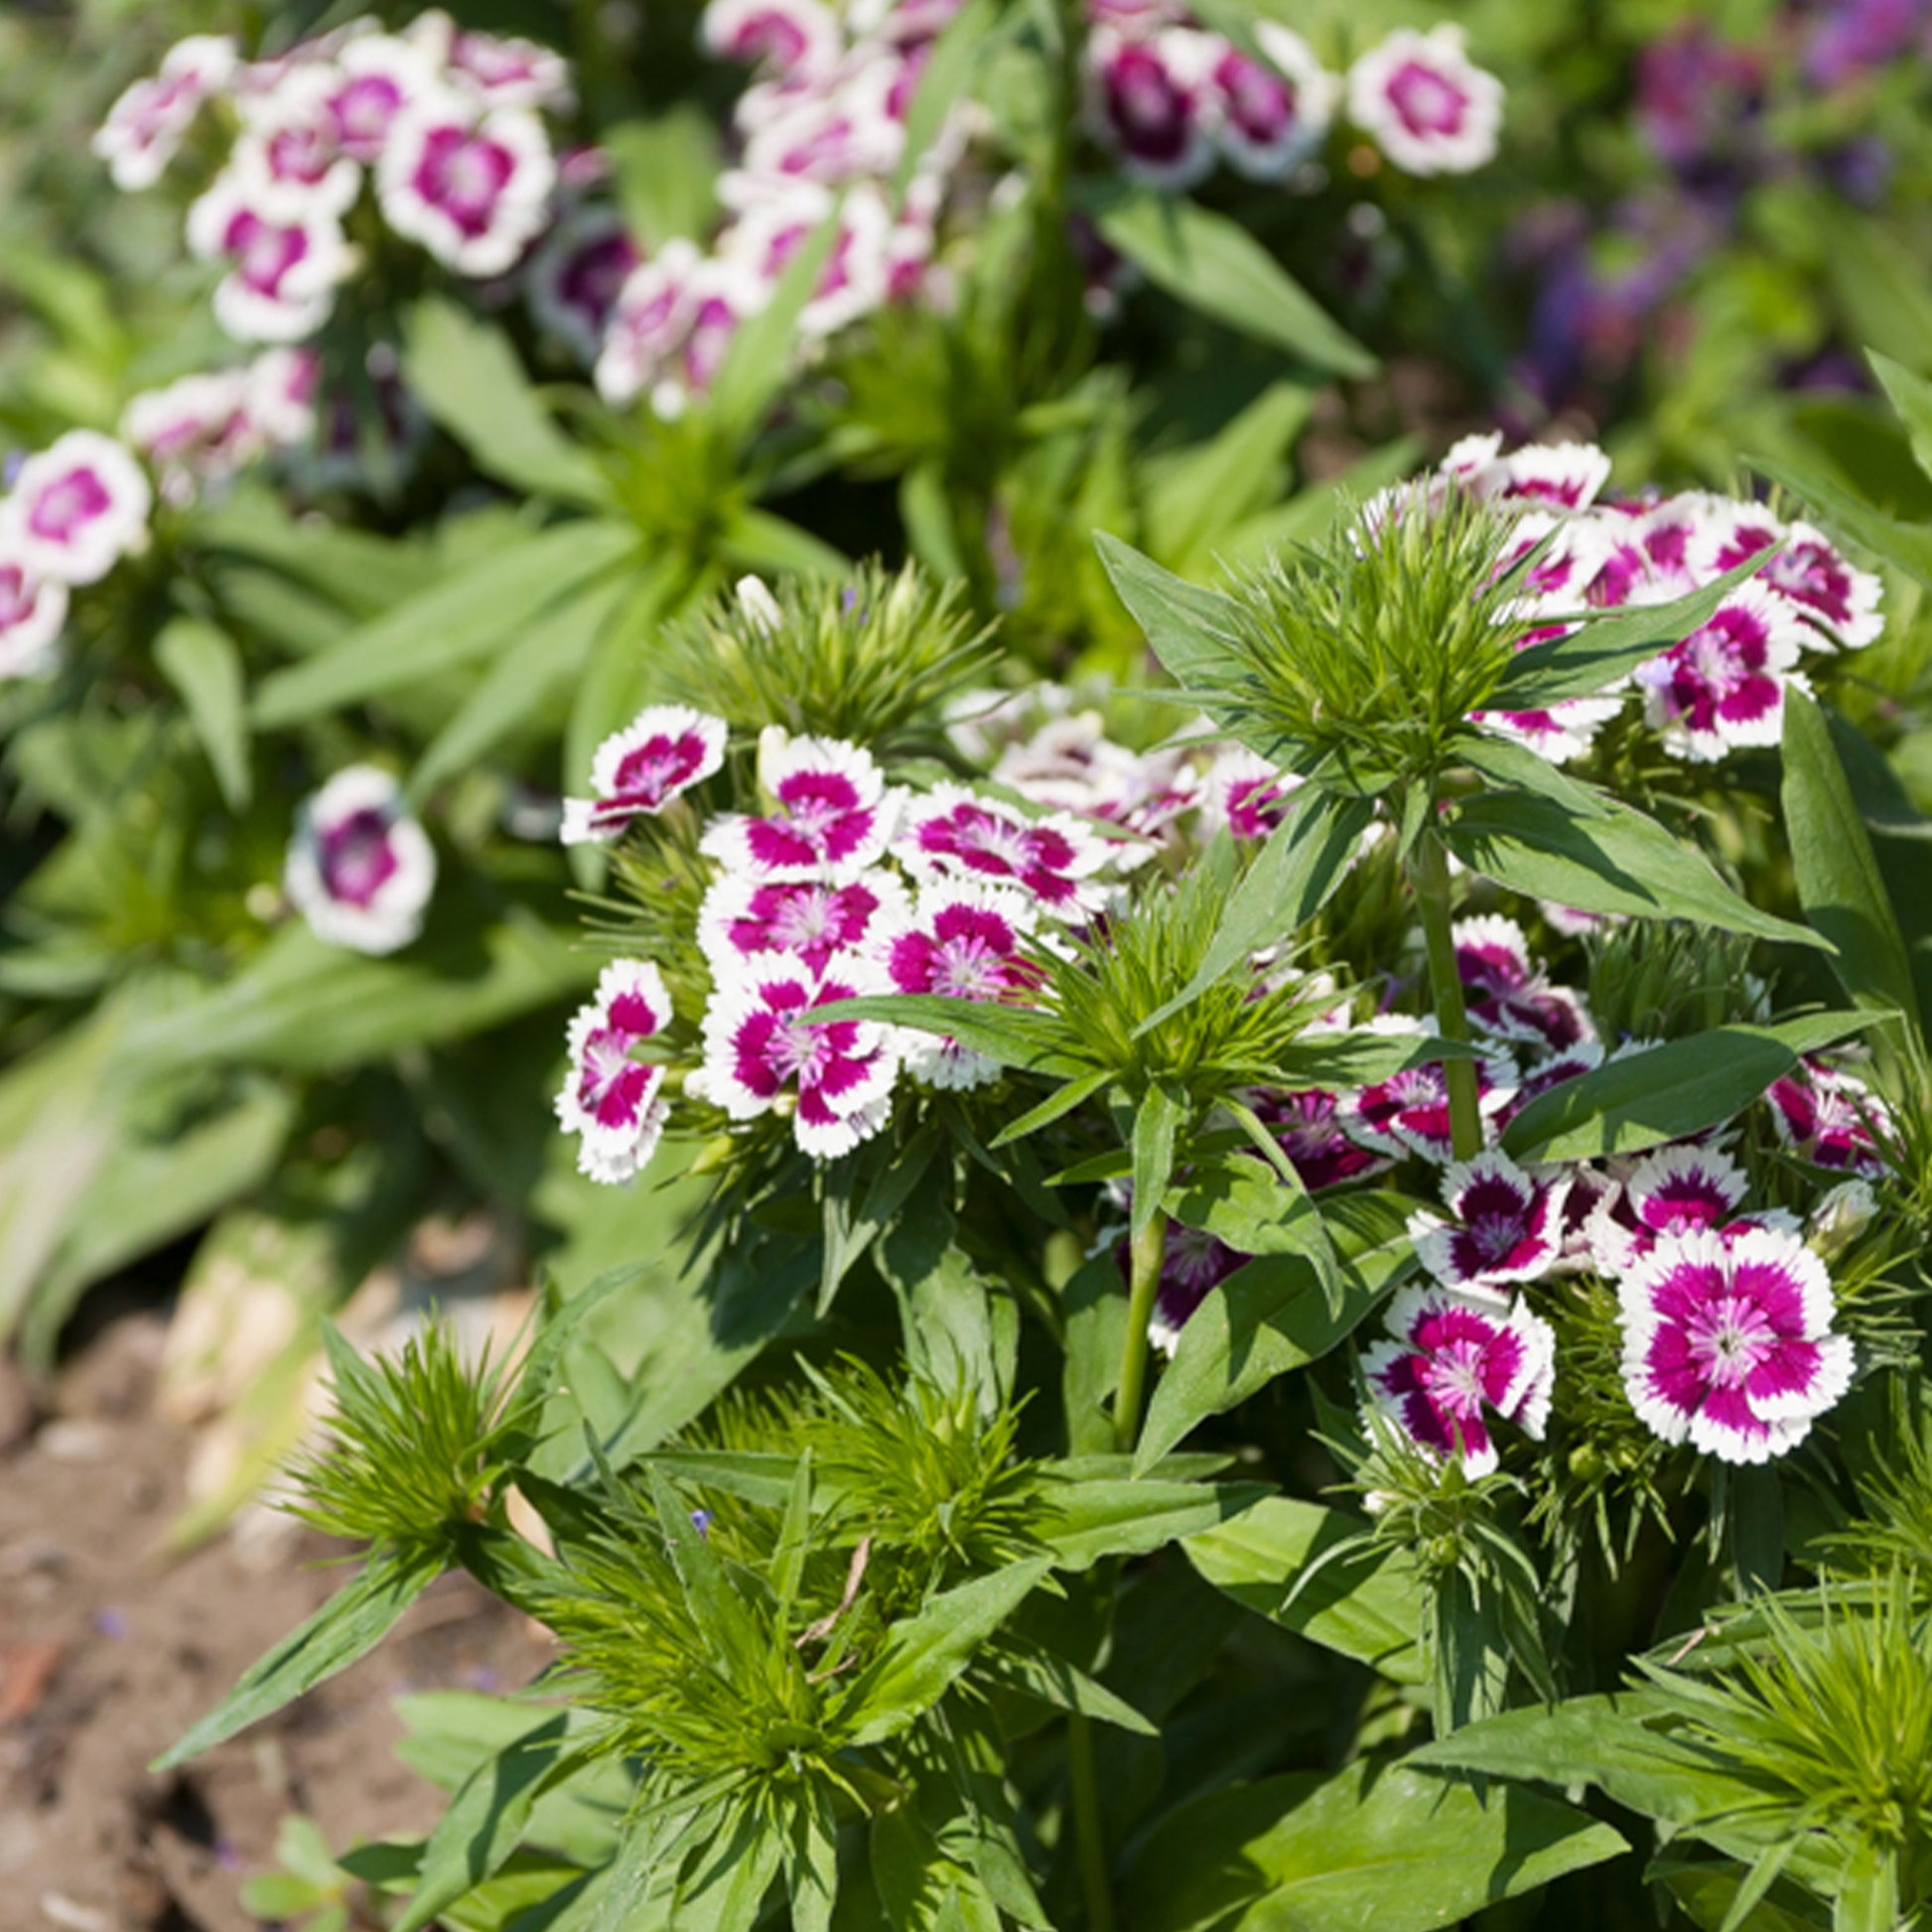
[67, 506]
[356, 859]
[1427, 102]
[1729, 1337]
[465, 175]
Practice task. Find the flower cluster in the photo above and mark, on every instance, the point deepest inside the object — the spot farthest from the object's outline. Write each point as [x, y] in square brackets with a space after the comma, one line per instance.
[198, 432]
[1722, 686]
[445, 124]
[1170, 99]
[820, 137]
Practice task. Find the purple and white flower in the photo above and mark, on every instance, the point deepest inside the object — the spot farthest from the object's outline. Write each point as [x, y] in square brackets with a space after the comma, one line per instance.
[1425, 103]
[1248, 794]
[283, 261]
[1506, 1226]
[195, 431]
[1306, 1126]
[1728, 1341]
[1563, 478]
[1831, 1119]
[1841, 603]
[1723, 685]
[292, 143]
[577, 275]
[1272, 114]
[953, 833]
[1409, 1112]
[658, 757]
[475, 190]
[1671, 1191]
[144, 127]
[611, 1100]
[1508, 995]
[359, 870]
[76, 509]
[1154, 102]
[964, 942]
[508, 72]
[796, 40]
[32, 611]
[1193, 1265]
[1451, 1365]
[833, 816]
[379, 77]
[743, 919]
[765, 1054]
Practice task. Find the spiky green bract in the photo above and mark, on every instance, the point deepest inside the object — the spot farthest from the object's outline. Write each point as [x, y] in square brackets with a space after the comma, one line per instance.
[922, 1472]
[869, 660]
[417, 1447]
[660, 879]
[1361, 658]
[1664, 979]
[1830, 1723]
[1893, 1528]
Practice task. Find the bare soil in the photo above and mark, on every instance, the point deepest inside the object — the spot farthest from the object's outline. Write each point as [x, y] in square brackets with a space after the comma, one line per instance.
[108, 1650]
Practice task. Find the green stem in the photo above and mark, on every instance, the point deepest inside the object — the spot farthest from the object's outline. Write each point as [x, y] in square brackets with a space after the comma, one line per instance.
[1150, 1247]
[1429, 877]
[1083, 1783]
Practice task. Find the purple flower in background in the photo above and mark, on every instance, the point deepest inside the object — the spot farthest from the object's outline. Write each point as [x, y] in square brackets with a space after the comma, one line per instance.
[1152, 100]
[1697, 98]
[359, 870]
[76, 509]
[1193, 1265]
[1851, 38]
[1307, 1128]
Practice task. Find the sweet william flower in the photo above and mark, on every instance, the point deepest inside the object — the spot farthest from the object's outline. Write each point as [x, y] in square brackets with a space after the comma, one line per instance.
[474, 189]
[32, 611]
[1506, 1225]
[1671, 1191]
[764, 1052]
[1827, 1117]
[965, 943]
[1722, 686]
[1728, 1341]
[809, 919]
[1409, 1112]
[143, 129]
[953, 833]
[1452, 1363]
[1839, 604]
[1152, 100]
[798, 40]
[285, 258]
[74, 511]
[613, 1101]
[1272, 113]
[577, 275]
[834, 813]
[1425, 103]
[359, 870]
[635, 772]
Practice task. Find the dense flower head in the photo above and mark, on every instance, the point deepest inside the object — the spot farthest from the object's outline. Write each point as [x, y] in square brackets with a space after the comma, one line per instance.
[1450, 1363]
[359, 870]
[765, 1054]
[1506, 1225]
[832, 813]
[1425, 103]
[639, 770]
[613, 1101]
[284, 258]
[1728, 1341]
[474, 189]
[74, 511]
[809, 919]
[1054, 860]
[1828, 1117]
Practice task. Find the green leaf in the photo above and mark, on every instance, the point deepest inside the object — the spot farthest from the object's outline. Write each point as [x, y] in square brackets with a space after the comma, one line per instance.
[1084, 1521]
[666, 168]
[1010, 1034]
[553, 653]
[1366, 1604]
[1911, 397]
[1611, 859]
[471, 380]
[760, 358]
[1212, 264]
[1605, 646]
[486, 1820]
[920, 1655]
[464, 616]
[1037, 1672]
[1268, 1319]
[1707, 1891]
[1838, 882]
[959, 1331]
[1157, 1122]
[1670, 1091]
[725, 1892]
[1376, 1848]
[754, 539]
[1186, 626]
[1291, 879]
[359, 572]
[1194, 494]
[1868, 1895]
[204, 667]
[812, 1862]
[349, 1625]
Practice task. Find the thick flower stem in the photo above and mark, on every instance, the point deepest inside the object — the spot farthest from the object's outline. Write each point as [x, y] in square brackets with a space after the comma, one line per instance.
[1429, 877]
[1083, 1785]
[1150, 1247]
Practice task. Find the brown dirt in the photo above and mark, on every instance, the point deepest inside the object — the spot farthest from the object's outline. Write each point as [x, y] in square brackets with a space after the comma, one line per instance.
[109, 1651]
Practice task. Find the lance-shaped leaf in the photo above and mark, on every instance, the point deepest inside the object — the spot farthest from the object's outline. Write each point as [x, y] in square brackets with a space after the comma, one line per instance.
[1378, 1848]
[1036, 1672]
[1187, 627]
[1609, 644]
[1213, 264]
[203, 665]
[1839, 882]
[920, 1655]
[1609, 859]
[1669, 1091]
[1908, 545]
[1010, 1034]
[349, 1625]
[1308, 1570]
[1083, 1521]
